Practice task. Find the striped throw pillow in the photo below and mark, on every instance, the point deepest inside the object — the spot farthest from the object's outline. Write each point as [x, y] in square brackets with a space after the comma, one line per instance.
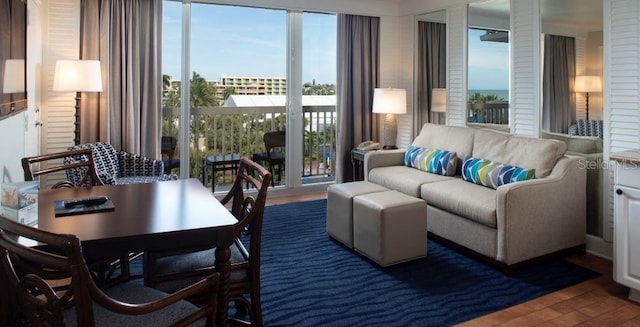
[487, 173]
[434, 161]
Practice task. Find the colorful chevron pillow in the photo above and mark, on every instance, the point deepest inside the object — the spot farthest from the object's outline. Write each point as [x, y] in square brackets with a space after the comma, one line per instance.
[434, 161]
[487, 173]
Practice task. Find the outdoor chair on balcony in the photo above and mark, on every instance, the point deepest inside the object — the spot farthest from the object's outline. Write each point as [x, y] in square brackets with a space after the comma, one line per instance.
[118, 167]
[273, 157]
[168, 146]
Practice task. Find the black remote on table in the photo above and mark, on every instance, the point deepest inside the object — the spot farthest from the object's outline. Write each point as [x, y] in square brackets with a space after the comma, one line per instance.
[86, 201]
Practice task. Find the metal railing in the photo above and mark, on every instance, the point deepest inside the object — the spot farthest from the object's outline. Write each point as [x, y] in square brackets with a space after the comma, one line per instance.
[239, 130]
[489, 113]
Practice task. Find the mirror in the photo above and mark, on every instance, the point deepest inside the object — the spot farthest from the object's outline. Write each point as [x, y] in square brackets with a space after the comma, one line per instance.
[572, 53]
[572, 47]
[13, 49]
[430, 63]
[488, 64]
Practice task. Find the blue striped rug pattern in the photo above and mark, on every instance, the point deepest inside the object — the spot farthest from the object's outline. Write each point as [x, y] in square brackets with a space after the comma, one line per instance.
[310, 280]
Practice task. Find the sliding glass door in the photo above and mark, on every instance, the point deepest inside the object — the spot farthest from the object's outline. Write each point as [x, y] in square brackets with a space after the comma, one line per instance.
[237, 67]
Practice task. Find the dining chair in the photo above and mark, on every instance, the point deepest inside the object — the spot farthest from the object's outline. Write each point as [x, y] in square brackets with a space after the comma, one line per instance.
[274, 156]
[50, 285]
[169, 271]
[85, 170]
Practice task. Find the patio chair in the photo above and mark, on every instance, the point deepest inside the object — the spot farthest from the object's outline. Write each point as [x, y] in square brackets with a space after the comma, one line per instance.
[168, 271]
[273, 157]
[119, 167]
[50, 285]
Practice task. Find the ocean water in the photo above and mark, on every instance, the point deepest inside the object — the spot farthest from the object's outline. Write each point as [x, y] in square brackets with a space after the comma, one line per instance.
[500, 93]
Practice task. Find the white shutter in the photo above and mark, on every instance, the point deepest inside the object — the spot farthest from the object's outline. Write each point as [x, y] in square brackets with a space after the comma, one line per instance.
[525, 65]
[457, 65]
[61, 40]
[621, 89]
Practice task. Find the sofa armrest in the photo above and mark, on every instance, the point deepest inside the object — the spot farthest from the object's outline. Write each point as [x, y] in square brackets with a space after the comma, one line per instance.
[135, 165]
[383, 158]
[542, 215]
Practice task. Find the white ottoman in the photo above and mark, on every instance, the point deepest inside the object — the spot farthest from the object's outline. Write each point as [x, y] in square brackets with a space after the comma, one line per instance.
[340, 208]
[390, 227]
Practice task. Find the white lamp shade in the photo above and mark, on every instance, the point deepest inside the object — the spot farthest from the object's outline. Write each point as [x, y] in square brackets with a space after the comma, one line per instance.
[13, 81]
[439, 100]
[77, 76]
[588, 84]
[389, 101]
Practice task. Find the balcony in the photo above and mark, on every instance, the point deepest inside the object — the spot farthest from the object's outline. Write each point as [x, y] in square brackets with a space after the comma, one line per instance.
[493, 112]
[238, 130]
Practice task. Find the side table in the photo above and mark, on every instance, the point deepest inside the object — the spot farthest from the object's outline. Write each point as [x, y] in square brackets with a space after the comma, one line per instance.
[357, 162]
[221, 162]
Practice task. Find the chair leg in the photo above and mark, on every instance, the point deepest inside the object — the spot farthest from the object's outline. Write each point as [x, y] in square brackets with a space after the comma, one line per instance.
[256, 309]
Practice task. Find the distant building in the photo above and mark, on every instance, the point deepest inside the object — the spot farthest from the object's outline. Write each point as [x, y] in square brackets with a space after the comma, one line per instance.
[252, 85]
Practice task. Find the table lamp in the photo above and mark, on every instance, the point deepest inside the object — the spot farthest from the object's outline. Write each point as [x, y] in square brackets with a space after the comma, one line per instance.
[438, 100]
[390, 102]
[77, 76]
[588, 84]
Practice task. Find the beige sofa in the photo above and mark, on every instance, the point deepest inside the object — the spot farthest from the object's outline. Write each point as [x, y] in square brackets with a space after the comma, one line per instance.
[511, 224]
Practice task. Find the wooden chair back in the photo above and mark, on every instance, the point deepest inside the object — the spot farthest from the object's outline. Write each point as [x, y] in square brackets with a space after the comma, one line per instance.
[47, 279]
[30, 165]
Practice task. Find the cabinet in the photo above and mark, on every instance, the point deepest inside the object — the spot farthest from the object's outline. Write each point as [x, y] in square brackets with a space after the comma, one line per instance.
[627, 221]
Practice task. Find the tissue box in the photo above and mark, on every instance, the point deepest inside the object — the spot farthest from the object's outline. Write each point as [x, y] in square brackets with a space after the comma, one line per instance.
[19, 195]
[27, 215]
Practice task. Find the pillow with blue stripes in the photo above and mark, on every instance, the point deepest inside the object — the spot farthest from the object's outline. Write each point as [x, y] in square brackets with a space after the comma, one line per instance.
[434, 161]
[493, 174]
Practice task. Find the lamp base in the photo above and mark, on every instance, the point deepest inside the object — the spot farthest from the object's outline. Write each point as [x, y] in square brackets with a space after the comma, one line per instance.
[390, 132]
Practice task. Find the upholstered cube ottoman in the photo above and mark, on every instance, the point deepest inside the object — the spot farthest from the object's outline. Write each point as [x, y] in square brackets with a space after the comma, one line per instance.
[340, 208]
[390, 227]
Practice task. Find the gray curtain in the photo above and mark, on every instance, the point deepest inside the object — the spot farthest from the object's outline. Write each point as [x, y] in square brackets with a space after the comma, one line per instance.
[358, 62]
[125, 35]
[558, 102]
[432, 69]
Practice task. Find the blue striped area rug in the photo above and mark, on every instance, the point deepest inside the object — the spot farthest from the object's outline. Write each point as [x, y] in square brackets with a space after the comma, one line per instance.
[310, 280]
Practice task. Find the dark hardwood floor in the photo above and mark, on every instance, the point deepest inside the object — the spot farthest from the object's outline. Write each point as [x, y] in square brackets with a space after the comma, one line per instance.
[597, 302]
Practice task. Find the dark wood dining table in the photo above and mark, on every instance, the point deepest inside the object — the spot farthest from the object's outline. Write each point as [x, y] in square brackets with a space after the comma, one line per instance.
[154, 216]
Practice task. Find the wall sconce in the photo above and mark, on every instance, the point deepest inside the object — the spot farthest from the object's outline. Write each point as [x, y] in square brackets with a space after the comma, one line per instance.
[390, 102]
[77, 76]
[588, 84]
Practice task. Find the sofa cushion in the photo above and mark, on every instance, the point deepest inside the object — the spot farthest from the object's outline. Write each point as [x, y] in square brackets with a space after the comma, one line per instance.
[434, 161]
[524, 152]
[450, 138]
[404, 179]
[493, 174]
[464, 199]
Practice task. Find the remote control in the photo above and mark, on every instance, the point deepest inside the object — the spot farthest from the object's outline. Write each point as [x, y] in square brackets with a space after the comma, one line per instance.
[86, 201]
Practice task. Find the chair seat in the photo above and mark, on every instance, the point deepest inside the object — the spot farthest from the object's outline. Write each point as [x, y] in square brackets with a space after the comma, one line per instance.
[135, 293]
[194, 261]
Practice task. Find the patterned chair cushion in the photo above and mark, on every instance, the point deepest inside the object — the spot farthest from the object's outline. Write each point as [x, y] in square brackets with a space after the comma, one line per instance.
[121, 167]
[584, 127]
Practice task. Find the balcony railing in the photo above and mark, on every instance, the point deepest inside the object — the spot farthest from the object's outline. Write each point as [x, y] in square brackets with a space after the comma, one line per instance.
[489, 113]
[239, 130]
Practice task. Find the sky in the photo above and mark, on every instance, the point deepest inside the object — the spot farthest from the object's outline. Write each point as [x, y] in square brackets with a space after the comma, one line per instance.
[241, 41]
[488, 63]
